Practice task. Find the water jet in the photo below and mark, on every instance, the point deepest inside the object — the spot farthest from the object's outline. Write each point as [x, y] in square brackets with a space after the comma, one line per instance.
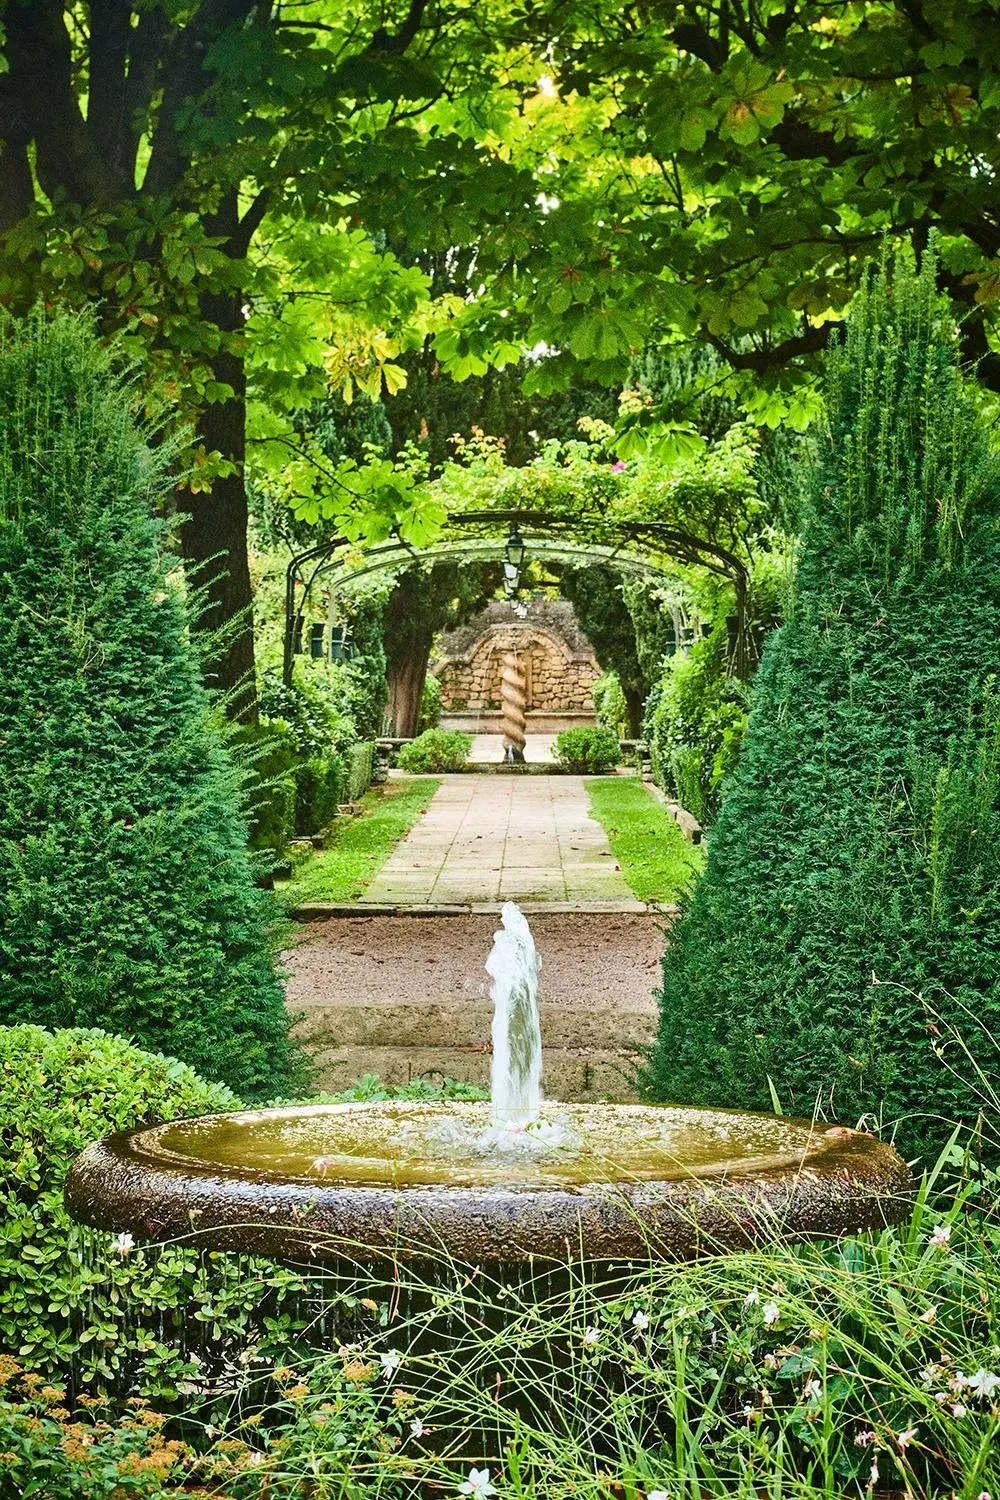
[514, 1180]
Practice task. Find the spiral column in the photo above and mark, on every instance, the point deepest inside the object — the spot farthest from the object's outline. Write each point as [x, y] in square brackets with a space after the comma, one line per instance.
[513, 701]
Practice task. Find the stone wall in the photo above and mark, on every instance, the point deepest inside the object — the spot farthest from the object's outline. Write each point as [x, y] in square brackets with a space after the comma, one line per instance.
[558, 659]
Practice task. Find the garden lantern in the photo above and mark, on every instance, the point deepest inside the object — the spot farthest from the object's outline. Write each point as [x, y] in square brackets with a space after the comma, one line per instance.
[513, 561]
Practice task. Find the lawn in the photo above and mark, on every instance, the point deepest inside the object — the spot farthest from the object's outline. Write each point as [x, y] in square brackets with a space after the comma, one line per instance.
[655, 858]
[359, 848]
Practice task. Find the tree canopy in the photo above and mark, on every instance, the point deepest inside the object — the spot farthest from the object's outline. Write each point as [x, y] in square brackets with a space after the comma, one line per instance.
[278, 204]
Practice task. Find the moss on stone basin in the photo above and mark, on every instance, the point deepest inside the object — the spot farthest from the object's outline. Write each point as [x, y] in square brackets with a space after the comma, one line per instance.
[373, 1181]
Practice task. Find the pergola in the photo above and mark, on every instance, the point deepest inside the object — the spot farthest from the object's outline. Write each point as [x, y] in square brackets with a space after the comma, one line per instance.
[633, 546]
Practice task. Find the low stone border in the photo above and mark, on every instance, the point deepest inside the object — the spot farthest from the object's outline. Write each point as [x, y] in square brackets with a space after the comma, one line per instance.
[315, 911]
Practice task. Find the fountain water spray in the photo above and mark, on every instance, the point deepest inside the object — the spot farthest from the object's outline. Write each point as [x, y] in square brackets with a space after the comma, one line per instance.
[516, 1075]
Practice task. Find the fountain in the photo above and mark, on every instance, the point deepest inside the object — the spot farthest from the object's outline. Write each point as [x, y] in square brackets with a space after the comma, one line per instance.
[515, 1180]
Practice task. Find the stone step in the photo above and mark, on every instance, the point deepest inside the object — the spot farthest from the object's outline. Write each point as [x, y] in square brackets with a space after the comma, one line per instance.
[572, 1075]
[364, 1023]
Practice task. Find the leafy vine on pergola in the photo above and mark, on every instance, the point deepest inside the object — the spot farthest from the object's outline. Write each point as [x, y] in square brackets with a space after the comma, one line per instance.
[631, 545]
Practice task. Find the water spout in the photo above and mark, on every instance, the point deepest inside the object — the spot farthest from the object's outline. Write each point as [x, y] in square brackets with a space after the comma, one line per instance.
[516, 1074]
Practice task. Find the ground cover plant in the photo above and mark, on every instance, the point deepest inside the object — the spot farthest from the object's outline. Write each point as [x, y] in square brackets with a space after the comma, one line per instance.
[655, 858]
[126, 894]
[436, 750]
[358, 847]
[850, 908]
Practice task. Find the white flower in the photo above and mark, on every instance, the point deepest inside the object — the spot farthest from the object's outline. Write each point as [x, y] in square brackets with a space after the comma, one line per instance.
[641, 1321]
[930, 1316]
[478, 1485]
[591, 1336]
[865, 1439]
[657, 1495]
[813, 1388]
[323, 1164]
[873, 1475]
[124, 1243]
[958, 1410]
[417, 1428]
[772, 1313]
[905, 1438]
[982, 1383]
[752, 1298]
[390, 1362]
[941, 1238]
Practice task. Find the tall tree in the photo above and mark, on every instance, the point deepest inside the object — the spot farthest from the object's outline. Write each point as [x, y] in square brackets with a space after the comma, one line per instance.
[719, 172]
[424, 601]
[145, 143]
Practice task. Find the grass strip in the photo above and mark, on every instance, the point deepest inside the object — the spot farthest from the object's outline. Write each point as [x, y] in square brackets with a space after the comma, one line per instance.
[655, 858]
[361, 846]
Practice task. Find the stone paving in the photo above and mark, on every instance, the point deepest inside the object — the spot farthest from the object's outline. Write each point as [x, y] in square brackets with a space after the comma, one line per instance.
[487, 749]
[504, 838]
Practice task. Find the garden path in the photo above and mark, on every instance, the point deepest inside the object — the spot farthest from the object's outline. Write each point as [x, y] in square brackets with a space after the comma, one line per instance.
[539, 749]
[505, 838]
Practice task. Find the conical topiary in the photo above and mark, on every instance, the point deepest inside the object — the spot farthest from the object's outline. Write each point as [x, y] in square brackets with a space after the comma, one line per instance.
[127, 899]
[848, 920]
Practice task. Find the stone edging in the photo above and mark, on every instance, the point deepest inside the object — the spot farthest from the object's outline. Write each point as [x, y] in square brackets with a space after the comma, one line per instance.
[314, 911]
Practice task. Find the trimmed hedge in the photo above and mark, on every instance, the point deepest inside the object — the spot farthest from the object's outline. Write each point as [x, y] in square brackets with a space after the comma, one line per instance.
[360, 768]
[695, 725]
[588, 749]
[849, 916]
[436, 750]
[70, 1304]
[127, 897]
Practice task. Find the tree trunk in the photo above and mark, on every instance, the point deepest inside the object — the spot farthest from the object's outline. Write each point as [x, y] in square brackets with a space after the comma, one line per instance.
[633, 708]
[214, 535]
[406, 679]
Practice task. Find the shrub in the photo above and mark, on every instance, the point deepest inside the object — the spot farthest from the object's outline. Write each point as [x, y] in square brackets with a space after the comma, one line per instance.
[70, 1305]
[436, 750]
[126, 892]
[268, 750]
[609, 704]
[360, 769]
[48, 1452]
[850, 907]
[319, 784]
[312, 708]
[587, 749]
[696, 725]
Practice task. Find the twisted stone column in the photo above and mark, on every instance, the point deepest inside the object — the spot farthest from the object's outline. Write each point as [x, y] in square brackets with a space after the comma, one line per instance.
[513, 701]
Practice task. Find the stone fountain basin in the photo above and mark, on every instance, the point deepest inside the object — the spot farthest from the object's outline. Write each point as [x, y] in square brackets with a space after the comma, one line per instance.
[378, 1181]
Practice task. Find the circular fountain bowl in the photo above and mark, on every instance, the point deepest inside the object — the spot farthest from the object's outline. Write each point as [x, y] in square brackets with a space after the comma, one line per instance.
[376, 1181]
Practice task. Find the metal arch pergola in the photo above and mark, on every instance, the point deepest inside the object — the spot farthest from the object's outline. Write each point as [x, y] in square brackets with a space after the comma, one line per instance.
[633, 546]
